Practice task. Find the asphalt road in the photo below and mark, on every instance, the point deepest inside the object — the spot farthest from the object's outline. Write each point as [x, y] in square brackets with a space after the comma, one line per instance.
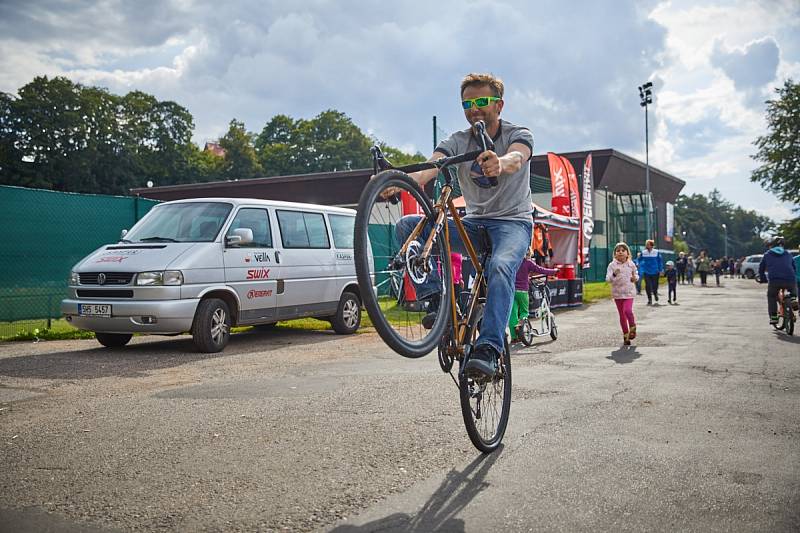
[695, 428]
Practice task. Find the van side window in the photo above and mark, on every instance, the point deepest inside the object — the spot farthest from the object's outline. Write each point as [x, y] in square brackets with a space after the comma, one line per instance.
[258, 221]
[343, 229]
[302, 230]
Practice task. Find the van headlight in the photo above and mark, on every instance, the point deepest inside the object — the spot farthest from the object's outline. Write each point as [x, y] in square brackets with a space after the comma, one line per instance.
[167, 277]
[74, 279]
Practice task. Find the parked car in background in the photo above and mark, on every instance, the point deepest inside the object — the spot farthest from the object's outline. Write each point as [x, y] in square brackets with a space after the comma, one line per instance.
[749, 268]
[206, 265]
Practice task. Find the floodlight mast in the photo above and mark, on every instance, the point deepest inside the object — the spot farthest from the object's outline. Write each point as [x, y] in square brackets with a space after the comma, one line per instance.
[646, 97]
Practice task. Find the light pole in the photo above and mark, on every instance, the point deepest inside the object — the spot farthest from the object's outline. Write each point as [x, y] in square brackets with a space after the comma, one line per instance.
[646, 96]
[725, 227]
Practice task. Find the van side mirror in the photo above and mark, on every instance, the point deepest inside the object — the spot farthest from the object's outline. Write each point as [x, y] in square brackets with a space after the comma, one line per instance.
[239, 237]
[123, 233]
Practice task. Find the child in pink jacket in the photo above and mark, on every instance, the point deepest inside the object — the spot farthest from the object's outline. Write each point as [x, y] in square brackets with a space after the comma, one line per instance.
[622, 274]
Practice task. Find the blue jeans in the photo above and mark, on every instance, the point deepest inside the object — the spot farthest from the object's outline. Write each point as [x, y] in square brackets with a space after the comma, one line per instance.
[510, 240]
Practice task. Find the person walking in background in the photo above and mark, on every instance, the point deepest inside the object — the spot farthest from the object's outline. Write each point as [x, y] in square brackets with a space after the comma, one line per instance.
[521, 305]
[638, 263]
[622, 274]
[672, 283]
[737, 268]
[703, 267]
[681, 266]
[732, 266]
[690, 269]
[718, 269]
[797, 269]
[651, 266]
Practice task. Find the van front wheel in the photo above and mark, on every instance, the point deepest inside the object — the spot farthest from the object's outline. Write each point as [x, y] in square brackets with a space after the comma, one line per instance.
[212, 325]
[113, 340]
[348, 315]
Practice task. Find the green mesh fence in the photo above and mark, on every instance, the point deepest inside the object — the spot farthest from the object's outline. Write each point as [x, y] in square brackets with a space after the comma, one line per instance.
[384, 246]
[44, 233]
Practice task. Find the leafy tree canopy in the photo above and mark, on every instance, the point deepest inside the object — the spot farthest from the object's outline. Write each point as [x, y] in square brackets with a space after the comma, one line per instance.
[65, 136]
[779, 150]
[701, 218]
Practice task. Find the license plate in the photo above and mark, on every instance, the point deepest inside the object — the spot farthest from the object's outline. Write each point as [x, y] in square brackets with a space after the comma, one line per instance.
[95, 310]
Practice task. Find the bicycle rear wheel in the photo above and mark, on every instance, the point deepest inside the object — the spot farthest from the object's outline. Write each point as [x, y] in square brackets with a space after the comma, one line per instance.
[789, 318]
[485, 405]
[385, 277]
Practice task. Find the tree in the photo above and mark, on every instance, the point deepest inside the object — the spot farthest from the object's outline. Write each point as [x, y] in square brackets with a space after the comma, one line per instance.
[241, 161]
[779, 150]
[60, 135]
[328, 142]
[702, 217]
[791, 232]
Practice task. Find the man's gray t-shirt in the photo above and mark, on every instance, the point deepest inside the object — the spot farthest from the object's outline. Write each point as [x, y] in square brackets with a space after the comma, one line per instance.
[511, 198]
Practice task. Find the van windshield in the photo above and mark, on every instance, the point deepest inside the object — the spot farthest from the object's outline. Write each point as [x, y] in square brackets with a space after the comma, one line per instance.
[185, 222]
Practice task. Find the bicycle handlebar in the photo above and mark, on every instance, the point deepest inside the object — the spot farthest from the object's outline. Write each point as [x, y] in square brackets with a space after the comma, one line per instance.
[379, 161]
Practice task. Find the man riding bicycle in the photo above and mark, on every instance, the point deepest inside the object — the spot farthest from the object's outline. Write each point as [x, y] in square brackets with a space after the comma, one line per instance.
[782, 275]
[497, 193]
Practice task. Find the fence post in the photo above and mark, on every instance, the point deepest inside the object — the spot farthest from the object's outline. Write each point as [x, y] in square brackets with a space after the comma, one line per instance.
[49, 310]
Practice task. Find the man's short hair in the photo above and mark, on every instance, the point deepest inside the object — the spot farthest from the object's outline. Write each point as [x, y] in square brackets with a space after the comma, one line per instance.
[474, 79]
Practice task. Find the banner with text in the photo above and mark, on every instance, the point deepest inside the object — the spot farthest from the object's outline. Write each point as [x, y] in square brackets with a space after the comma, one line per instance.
[587, 220]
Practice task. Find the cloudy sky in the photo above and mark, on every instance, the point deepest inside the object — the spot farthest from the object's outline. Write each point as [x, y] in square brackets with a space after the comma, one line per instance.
[571, 68]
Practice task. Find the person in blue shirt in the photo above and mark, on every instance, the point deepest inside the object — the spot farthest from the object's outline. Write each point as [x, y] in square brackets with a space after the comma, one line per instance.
[797, 269]
[651, 266]
[638, 271]
[778, 263]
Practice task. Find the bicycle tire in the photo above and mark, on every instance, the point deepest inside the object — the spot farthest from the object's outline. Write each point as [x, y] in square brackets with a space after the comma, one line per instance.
[499, 386]
[397, 321]
[789, 319]
[527, 332]
[553, 328]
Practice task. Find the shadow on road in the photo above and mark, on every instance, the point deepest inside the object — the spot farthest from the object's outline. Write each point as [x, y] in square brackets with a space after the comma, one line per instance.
[135, 360]
[438, 514]
[624, 355]
[786, 338]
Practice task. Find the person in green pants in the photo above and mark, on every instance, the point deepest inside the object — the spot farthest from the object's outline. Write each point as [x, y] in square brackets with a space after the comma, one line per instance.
[519, 309]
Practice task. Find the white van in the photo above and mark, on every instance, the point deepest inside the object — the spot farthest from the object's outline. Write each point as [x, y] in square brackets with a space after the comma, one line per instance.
[205, 265]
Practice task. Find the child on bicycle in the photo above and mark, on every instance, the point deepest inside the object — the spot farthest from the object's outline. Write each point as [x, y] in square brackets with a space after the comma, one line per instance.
[622, 274]
[519, 309]
[782, 275]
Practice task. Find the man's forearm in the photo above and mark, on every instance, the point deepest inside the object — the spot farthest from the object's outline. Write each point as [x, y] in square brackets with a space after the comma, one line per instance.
[424, 176]
[511, 162]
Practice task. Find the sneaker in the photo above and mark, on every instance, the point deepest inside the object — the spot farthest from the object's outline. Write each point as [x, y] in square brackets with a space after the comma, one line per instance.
[656, 297]
[649, 302]
[773, 320]
[626, 339]
[482, 362]
[428, 320]
[632, 333]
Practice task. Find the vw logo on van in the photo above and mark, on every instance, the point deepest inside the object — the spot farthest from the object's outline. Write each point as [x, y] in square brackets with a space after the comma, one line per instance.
[101, 279]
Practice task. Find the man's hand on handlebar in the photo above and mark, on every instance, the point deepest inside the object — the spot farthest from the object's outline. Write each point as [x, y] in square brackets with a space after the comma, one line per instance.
[490, 164]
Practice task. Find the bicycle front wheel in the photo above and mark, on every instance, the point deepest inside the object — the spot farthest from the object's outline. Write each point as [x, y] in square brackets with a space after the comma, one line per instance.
[485, 405]
[388, 279]
[527, 331]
